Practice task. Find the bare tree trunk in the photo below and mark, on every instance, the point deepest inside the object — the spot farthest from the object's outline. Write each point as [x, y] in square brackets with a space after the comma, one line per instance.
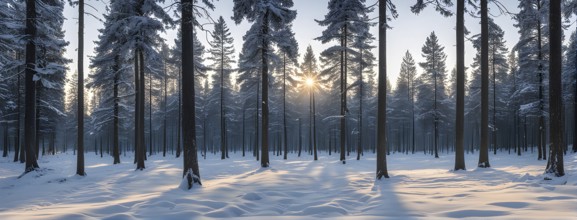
[116, 122]
[5, 151]
[382, 95]
[360, 140]
[150, 114]
[314, 127]
[541, 135]
[459, 130]
[285, 138]
[140, 145]
[300, 138]
[555, 162]
[494, 130]
[243, 131]
[30, 96]
[164, 124]
[484, 149]
[179, 130]
[191, 170]
[264, 158]
[17, 148]
[343, 95]
[256, 133]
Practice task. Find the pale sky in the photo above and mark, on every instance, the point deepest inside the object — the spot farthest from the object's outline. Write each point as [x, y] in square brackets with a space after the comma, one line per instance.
[409, 30]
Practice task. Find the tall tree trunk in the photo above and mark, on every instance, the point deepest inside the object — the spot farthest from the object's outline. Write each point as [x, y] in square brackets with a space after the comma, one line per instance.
[180, 120]
[191, 170]
[17, 148]
[285, 138]
[484, 150]
[243, 131]
[256, 133]
[436, 119]
[459, 130]
[555, 162]
[30, 96]
[360, 140]
[80, 97]
[314, 127]
[222, 113]
[264, 162]
[494, 129]
[140, 145]
[541, 129]
[136, 106]
[150, 115]
[5, 151]
[115, 135]
[413, 114]
[382, 94]
[343, 95]
[310, 121]
[164, 124]
[300, 138]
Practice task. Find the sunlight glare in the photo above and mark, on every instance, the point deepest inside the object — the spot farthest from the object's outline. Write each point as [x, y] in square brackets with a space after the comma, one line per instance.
[310, 82]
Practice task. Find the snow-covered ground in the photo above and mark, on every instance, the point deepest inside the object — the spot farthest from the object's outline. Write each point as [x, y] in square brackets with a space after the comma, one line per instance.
[420, 187]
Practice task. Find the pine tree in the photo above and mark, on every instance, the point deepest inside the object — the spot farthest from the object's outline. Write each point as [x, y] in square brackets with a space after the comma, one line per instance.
[289, 50]
[309, 71]
[344, 19]
[402, 101]
[433, 88]
[221, 53]
[532, 49]
[497, 68]
[270, 18]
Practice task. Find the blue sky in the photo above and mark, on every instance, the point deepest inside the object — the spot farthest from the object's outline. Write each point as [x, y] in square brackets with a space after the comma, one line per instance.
[409, 30]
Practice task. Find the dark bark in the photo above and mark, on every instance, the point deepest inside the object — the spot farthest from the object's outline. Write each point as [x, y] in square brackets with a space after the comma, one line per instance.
[80, 95]
[556, 126]
[140, 148]
[115, 135]
[314, 127]
[256, 133]
[264, 162]
[343, 95]
[164, 124]
[285, 138]
[150, 132]
[191, 170]
[382, 95]
[541, 130]
[17, 148]
[459, 130]
[5, 151]
[300, 138]
[360, 140]
[484, 149]
[223, 148]
[179, 130]
[30, 94]
[243, 131]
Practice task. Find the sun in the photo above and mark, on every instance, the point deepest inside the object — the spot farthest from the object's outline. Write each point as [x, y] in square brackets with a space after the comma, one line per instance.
[310, 82]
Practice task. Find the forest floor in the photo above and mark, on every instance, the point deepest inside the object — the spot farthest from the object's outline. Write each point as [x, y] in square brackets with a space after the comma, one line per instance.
[420, 187]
